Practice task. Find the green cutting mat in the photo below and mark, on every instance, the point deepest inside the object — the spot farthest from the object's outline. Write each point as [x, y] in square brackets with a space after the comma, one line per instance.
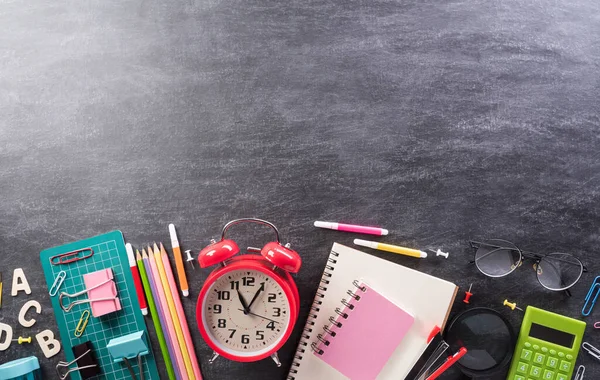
[109, 252]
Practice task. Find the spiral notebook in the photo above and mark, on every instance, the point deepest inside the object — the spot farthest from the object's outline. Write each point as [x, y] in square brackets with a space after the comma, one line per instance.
[367, 320]
[427, 298]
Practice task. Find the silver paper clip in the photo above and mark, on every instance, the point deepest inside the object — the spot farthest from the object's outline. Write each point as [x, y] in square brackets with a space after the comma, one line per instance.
[70, 306]
[591, 350]
[589, 300]
[580, 372]
[58, 281]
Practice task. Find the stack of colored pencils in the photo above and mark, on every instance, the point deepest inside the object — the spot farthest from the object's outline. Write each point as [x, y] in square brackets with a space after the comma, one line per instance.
[167, 314]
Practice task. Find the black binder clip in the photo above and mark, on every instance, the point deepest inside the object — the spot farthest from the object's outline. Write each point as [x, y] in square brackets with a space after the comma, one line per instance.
[85, 360]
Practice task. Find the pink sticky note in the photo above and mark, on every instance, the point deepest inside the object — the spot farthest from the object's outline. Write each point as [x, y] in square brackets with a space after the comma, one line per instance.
[361, 343]
[107, 290]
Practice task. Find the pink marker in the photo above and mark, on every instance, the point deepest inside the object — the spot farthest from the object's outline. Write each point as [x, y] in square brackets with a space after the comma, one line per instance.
[352, 228]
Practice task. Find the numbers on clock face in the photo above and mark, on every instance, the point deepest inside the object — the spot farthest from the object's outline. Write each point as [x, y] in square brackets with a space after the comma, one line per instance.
[246, 311]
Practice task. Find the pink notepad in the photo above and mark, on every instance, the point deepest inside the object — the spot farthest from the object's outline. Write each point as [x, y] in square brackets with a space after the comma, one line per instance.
[364, 335]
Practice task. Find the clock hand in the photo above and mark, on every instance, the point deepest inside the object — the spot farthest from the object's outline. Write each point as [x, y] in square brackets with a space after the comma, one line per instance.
[260, 316]
[243, 302]
[262, 287]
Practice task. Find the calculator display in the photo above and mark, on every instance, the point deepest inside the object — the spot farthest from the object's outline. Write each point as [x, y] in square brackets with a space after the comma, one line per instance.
[551, 335]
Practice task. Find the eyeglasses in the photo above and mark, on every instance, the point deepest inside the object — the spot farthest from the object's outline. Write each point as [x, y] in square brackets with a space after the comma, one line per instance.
[554, 271]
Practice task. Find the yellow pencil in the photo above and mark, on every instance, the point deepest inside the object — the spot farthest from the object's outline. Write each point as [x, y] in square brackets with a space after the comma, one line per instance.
[163, 279]
[391, 248]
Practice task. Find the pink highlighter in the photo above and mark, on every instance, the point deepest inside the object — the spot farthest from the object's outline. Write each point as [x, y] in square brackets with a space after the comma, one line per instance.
[352, 228]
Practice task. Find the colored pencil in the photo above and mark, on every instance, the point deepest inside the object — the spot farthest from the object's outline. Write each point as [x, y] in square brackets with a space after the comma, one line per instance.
[154, 314]
[180, 365]
[181, 277]
[139, 290]
[180, 313]
[173, 312]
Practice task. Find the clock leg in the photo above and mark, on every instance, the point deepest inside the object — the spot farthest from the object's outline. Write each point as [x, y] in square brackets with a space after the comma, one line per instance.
[275, 358]
[214, 357]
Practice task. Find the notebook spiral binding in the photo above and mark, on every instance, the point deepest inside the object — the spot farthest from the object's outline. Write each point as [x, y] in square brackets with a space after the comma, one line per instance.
[353, 293]
[314, 309]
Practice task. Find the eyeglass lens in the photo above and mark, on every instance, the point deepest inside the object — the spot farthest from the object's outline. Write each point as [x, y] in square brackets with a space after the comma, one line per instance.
[559, 271]
[497, 258]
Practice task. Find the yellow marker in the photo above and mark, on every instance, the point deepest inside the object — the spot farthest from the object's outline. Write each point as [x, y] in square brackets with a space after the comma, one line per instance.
[512, 305]
[173, 311]
[22, 340]
[391, 248]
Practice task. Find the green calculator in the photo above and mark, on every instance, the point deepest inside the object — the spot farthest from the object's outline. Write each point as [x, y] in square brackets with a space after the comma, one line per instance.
[547, 347]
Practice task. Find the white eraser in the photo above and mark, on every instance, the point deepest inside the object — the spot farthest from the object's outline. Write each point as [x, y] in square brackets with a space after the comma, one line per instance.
[144, 311]
[366, 243]
[384, 231]
[185, 293]
[173, 233]
[130, 255]
[329, 225]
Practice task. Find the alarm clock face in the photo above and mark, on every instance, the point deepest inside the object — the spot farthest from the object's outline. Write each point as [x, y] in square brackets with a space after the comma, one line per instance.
[246, 313]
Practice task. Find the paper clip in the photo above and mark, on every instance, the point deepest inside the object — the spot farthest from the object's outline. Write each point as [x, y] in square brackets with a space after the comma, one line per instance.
[597, 325]
[82, 324]
[580, 372]
[594, 291]
[591, 350]
[70, 257]
[58, 281]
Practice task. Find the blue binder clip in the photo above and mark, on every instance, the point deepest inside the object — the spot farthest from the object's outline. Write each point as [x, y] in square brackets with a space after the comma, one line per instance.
[127, 347]
[21, 369]
[592, 296]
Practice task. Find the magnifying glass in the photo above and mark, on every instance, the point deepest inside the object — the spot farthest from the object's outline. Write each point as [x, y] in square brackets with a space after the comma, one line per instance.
[488, 338]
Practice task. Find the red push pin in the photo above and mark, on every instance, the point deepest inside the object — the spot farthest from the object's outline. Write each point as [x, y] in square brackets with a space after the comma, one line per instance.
[468, 294]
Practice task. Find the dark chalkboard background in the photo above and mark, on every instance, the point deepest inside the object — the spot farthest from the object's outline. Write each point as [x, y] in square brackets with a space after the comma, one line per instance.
[440, 120]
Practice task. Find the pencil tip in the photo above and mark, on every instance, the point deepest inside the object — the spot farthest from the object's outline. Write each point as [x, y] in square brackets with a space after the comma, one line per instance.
[137, 255]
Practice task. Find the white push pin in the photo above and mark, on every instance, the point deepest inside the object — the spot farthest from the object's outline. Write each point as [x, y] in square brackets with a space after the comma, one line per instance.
[190, 259]
[439, 252]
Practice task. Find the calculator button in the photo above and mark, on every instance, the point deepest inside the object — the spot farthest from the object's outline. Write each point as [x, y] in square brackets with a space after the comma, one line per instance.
[561, 376]
[544, 349]
[548, 375]
[519, 377]
[539, 358]
[552, 352]
[522, 367]
[535, 372]
[527, 344]
[565, 366]
[552, 362]
[561, 354]
[570, 357]
[536, 347]
[526, 355]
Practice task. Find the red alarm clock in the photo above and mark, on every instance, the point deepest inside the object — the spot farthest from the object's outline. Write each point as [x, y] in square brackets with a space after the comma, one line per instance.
[248, 306]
